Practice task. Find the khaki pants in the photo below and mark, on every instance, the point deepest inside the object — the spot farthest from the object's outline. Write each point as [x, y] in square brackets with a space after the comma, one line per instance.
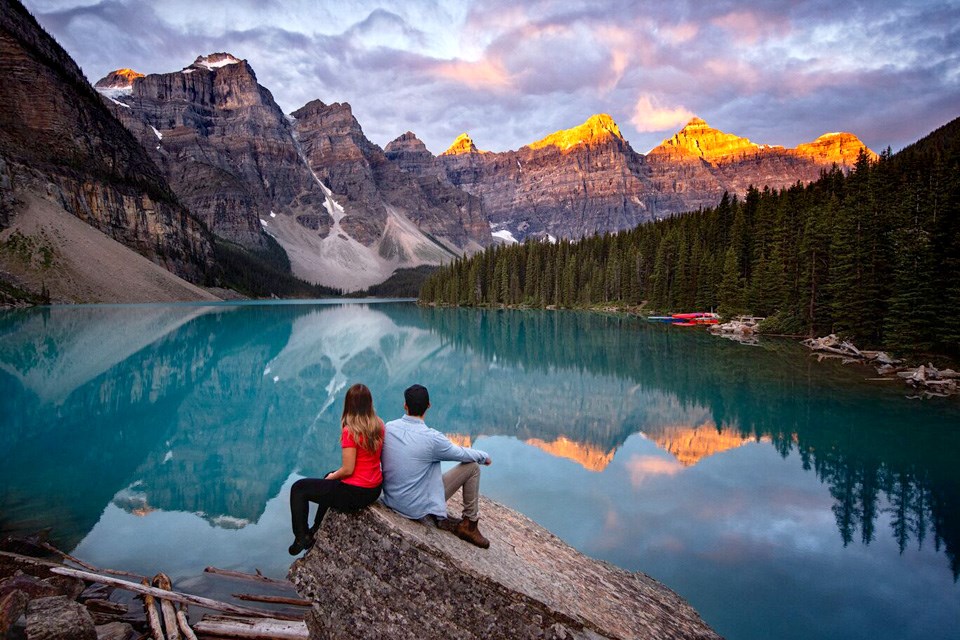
[465, 475]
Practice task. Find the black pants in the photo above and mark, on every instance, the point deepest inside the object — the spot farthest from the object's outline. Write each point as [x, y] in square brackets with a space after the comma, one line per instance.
[327, 494]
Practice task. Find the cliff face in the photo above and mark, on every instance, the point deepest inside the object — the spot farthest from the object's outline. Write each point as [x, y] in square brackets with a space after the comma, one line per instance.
[58, 141]
[573, 183]
[346, 215]
[223, 143]
[401, 579]
[588, 179]
[374, 189]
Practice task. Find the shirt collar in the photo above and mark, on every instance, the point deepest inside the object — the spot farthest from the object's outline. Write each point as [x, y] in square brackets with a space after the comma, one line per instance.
[413, 419]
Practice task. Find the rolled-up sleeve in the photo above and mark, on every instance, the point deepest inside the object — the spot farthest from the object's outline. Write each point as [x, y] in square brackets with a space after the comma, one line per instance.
[443, 449]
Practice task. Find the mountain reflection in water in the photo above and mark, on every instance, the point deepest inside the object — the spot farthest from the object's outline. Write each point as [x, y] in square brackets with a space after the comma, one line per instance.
[196, 419]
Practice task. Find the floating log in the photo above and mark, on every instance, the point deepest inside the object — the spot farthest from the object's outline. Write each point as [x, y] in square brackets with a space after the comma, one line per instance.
[185, 598]
[300, 602]
[153, 618]
[89, 567]
[262, 629]
[259, 577]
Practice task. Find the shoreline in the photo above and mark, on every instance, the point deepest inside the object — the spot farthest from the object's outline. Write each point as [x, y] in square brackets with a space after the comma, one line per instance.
[900, 365]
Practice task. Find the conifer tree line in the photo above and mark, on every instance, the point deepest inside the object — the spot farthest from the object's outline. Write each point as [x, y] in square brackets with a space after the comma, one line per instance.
[873, 255]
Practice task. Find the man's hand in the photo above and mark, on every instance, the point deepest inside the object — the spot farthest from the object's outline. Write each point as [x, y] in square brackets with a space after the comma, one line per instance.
[488, 461]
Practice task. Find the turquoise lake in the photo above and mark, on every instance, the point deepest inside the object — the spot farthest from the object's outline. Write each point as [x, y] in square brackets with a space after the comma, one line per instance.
[782, 496]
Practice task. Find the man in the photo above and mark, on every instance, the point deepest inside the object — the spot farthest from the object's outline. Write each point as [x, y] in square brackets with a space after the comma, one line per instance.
[412, 483]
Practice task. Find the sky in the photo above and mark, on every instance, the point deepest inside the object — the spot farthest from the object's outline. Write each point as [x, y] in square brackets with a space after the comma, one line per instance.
[510, 72]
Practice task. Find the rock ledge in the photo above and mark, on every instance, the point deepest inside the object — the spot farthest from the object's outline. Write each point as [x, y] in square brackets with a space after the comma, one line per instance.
[377, 574]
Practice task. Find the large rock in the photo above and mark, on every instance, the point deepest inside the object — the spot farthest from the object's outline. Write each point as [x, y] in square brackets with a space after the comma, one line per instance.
[59, 618]
[378, 574]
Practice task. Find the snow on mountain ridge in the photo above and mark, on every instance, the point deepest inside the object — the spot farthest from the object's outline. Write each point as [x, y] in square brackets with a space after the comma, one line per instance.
[215, 61]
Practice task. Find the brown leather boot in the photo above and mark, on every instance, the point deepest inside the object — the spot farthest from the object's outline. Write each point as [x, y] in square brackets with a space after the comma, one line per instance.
[468, 530]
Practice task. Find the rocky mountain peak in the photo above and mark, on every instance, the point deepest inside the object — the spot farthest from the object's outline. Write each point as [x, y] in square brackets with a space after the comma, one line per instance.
[214, 61]
[463, 144]
[700, 140]
[838, 147]
[119, 79]
[407, 142]
[598, 128]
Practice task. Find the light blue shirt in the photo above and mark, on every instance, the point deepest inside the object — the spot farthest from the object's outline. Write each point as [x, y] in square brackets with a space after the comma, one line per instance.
[410, 460]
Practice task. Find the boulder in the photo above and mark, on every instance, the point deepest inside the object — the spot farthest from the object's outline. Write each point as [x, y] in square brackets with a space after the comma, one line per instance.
[57, 618]
[382, 575]
[115, 631]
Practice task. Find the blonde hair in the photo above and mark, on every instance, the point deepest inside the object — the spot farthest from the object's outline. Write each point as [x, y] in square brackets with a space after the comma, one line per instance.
[360, 419]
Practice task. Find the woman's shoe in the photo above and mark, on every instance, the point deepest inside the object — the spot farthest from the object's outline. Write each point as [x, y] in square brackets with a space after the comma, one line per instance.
[300, 544]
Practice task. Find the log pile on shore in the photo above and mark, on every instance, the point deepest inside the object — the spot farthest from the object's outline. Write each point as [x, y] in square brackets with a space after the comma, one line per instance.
[927, 380]
[41, 597]
[742, 329]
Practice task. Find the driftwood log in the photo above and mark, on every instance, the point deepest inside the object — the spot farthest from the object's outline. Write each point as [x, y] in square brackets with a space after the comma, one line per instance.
[259, 577]
[262, 629]
[153, 618]
[166, 607]
[925, 378]
[185, 625]
[254, 597]
[174, 596]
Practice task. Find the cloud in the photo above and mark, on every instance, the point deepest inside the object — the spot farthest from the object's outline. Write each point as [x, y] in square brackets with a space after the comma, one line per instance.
[648, 116]
[776, 71]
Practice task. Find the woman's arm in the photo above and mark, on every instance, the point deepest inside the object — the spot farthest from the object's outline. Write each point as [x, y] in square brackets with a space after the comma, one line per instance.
[347, 466]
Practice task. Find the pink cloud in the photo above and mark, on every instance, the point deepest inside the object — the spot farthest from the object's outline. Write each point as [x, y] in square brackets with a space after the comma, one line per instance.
[483, 74]
[749, 27]
[679, 33]
[649, 116]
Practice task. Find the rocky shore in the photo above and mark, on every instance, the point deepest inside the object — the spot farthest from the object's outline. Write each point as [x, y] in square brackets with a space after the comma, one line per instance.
[377, 574]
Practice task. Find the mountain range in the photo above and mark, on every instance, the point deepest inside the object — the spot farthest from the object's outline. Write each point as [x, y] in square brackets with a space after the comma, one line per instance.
[205, 152]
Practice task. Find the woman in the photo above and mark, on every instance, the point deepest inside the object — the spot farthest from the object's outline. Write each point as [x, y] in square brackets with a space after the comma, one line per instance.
[356, 483]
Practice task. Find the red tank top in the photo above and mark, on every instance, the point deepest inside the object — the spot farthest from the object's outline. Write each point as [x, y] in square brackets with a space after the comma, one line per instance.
[366, 472]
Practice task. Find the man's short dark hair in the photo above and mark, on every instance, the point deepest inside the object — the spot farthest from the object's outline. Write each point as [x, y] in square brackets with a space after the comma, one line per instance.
[418, 400]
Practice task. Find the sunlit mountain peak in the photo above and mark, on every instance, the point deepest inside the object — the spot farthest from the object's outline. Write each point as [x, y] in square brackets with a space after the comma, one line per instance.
[118, 79]
[598, 128]
[697, 138]
[463, 144]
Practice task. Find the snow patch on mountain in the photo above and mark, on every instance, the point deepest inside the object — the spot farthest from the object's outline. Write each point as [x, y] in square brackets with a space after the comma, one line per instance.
[115, 92]
[215, 61]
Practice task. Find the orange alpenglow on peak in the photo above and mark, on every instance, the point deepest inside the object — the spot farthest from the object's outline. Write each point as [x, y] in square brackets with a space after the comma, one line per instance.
[463, 144]
[118, 79]
[597, 128]
[839, 147]
[699, 140]
[129, 74]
